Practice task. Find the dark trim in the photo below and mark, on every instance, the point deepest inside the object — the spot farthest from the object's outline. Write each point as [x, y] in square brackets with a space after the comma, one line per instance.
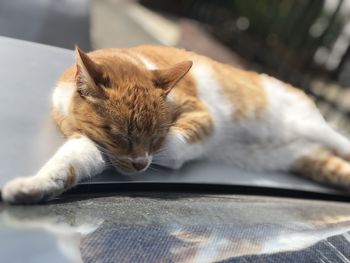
[123, 188]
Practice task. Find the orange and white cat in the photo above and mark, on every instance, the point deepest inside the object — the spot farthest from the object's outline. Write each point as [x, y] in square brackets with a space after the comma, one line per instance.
[128, 108]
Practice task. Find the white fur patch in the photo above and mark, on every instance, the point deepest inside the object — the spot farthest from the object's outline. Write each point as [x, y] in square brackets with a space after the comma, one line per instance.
[81, 154]
[62, 96]
[245, 143]
[211, 94]
[296, 117]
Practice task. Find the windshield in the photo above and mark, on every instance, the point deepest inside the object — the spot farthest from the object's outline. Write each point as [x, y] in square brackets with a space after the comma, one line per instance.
[176, 227]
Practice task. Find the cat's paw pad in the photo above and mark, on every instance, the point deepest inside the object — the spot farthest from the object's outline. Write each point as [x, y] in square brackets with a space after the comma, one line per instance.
[24, 190]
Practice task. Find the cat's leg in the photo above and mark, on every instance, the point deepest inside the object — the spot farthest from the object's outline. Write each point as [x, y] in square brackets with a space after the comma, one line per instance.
[185, 140]
[77, 159]
[320, 132]
[300, 118]
[330, 162]
[323, 166]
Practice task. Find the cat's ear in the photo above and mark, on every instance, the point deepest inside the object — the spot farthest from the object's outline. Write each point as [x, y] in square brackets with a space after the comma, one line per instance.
[88, 75]
[166, 79]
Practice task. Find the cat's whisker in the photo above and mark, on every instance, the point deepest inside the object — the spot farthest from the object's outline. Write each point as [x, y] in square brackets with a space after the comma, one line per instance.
[160, 152]
[104, 150]
[157, 162]
[161, 156]
[108, 164]
[162, 149]
[154, 168]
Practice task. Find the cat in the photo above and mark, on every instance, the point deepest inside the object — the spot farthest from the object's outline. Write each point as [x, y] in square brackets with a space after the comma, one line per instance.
[128, 108]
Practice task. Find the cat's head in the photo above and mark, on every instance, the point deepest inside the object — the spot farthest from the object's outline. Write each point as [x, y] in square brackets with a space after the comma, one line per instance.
[123, 107]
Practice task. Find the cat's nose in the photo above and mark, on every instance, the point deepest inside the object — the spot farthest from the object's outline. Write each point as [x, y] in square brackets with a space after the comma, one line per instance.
[140, 164]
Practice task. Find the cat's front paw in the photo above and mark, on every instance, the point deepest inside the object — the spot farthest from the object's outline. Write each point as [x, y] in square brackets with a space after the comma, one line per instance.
[172, 153]
[27, 190]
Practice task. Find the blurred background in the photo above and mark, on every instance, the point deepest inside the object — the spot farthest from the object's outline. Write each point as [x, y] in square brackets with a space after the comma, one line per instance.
[305, 43]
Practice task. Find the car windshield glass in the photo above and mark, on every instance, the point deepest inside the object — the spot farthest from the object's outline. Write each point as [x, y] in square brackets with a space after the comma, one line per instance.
[146, 227]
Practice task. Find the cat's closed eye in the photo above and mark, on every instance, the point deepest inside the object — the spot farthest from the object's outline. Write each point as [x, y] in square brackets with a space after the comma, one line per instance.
[115, 134]
[113, 129]
[122, 141]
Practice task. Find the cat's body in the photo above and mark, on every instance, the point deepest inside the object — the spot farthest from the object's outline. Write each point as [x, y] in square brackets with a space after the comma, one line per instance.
[146, 104]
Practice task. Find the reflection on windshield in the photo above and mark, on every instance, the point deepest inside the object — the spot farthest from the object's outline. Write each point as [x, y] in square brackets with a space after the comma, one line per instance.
[197, 229]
